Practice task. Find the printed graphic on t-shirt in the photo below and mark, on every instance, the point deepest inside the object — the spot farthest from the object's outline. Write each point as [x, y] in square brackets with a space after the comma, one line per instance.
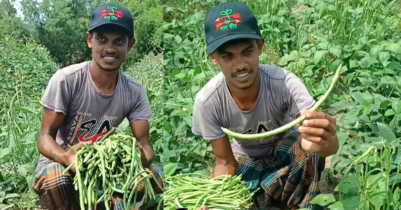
[262, 127]
[88, 129]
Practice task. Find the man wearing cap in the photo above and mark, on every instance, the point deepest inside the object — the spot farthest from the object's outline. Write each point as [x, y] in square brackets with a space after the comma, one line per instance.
[248, 97]
[84, 101]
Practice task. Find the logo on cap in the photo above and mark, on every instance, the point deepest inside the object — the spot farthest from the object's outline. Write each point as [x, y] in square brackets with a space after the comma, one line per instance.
[228, 20]
[111, 13]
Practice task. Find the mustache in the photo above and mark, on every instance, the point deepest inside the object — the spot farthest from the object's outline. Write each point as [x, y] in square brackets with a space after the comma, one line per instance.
[109, 55]
[246, 70]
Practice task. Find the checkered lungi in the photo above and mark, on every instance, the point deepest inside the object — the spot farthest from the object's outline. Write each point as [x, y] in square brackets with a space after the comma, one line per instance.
[56, 191]
[286, 175]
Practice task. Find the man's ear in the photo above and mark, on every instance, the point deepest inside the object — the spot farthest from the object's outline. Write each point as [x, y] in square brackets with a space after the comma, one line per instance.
[213, 58]
[260, 44]
[131, 43]
[89, 37]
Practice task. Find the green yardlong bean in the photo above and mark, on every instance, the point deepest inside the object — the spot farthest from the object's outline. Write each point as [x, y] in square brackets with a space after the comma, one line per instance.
[111, 166]
[191, 191]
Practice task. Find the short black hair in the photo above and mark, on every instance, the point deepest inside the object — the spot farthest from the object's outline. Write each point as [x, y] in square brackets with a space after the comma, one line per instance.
[235, 41]
[107, 28]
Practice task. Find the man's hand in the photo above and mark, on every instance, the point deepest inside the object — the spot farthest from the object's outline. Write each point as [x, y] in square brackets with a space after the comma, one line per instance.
[140, 130]
[225, 160]
[147, 154]
[203, 208]
[69, 156]
[318, 133]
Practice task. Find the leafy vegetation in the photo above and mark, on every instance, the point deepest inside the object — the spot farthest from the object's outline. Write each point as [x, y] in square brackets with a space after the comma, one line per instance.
[311, 38]
[60, 26]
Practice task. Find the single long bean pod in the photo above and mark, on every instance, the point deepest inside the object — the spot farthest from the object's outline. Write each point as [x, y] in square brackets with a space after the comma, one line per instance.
[289, 125]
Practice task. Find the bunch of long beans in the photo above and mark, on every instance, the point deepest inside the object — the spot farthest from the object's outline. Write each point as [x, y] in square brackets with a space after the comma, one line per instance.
[192, 191]
[110, 166]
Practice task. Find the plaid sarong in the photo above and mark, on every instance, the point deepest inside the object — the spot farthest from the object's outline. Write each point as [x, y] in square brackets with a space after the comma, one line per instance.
[287, 175]
[56, 191]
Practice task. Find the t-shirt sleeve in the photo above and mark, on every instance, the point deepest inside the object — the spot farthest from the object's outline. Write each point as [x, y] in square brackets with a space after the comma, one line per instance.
[141, 109]
[204, 122]
[56, 96]
[297, 97]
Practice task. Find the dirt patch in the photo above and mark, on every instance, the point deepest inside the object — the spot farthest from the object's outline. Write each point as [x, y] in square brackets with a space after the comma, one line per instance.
[325, 186]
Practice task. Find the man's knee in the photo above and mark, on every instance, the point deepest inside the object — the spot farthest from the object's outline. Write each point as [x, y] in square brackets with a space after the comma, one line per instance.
[55, 189]
[52, 177]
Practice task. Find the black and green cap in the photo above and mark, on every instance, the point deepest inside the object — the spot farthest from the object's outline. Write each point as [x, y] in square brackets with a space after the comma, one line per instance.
[113, 15]
[229, 21]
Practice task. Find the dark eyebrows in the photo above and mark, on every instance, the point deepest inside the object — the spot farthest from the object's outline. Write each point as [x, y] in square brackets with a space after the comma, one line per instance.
[222, 50]
[101, 35]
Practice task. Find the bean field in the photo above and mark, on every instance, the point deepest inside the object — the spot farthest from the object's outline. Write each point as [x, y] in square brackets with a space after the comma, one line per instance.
[310, 38]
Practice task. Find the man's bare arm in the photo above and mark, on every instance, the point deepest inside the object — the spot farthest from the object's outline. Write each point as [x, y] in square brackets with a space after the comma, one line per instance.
[140, 130]
[47, 146]
[225, 161]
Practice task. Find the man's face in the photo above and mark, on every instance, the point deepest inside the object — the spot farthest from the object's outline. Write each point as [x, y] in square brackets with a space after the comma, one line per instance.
[239, 62]
[109, 49]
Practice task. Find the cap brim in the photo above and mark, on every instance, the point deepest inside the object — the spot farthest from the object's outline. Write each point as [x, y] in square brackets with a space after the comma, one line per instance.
[94, 27]
[218, 42]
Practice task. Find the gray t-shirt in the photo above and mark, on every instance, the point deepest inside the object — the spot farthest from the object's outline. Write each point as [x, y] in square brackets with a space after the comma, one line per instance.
[282, 97]
[89, 113]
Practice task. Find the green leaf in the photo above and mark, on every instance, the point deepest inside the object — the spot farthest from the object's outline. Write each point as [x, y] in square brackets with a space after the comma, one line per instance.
[386, 132]
[168, 36]
[169, 168]
[384, 56]
[389, 112]
[396, 195]
[178, 39]
[348, 184]
[335, 51]
[334, 65]
[319, 56]
[169, 153]
[22, 170]
[195, 89]
[323, 199]
[336, 206]
[342, 138]
[374, 51]
[348, 78]
[352, 202]
[124, 124]
[293, 56]
[384, 104]
[394, 66]
[202, 172]
[167, 126]
[4, 152]
[366, 62]
[394, 47]
[353, 64]
[357, 96]
[12, 195]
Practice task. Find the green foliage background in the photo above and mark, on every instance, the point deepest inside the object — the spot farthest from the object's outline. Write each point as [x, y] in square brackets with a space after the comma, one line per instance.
[310, 38]
[51, 35]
